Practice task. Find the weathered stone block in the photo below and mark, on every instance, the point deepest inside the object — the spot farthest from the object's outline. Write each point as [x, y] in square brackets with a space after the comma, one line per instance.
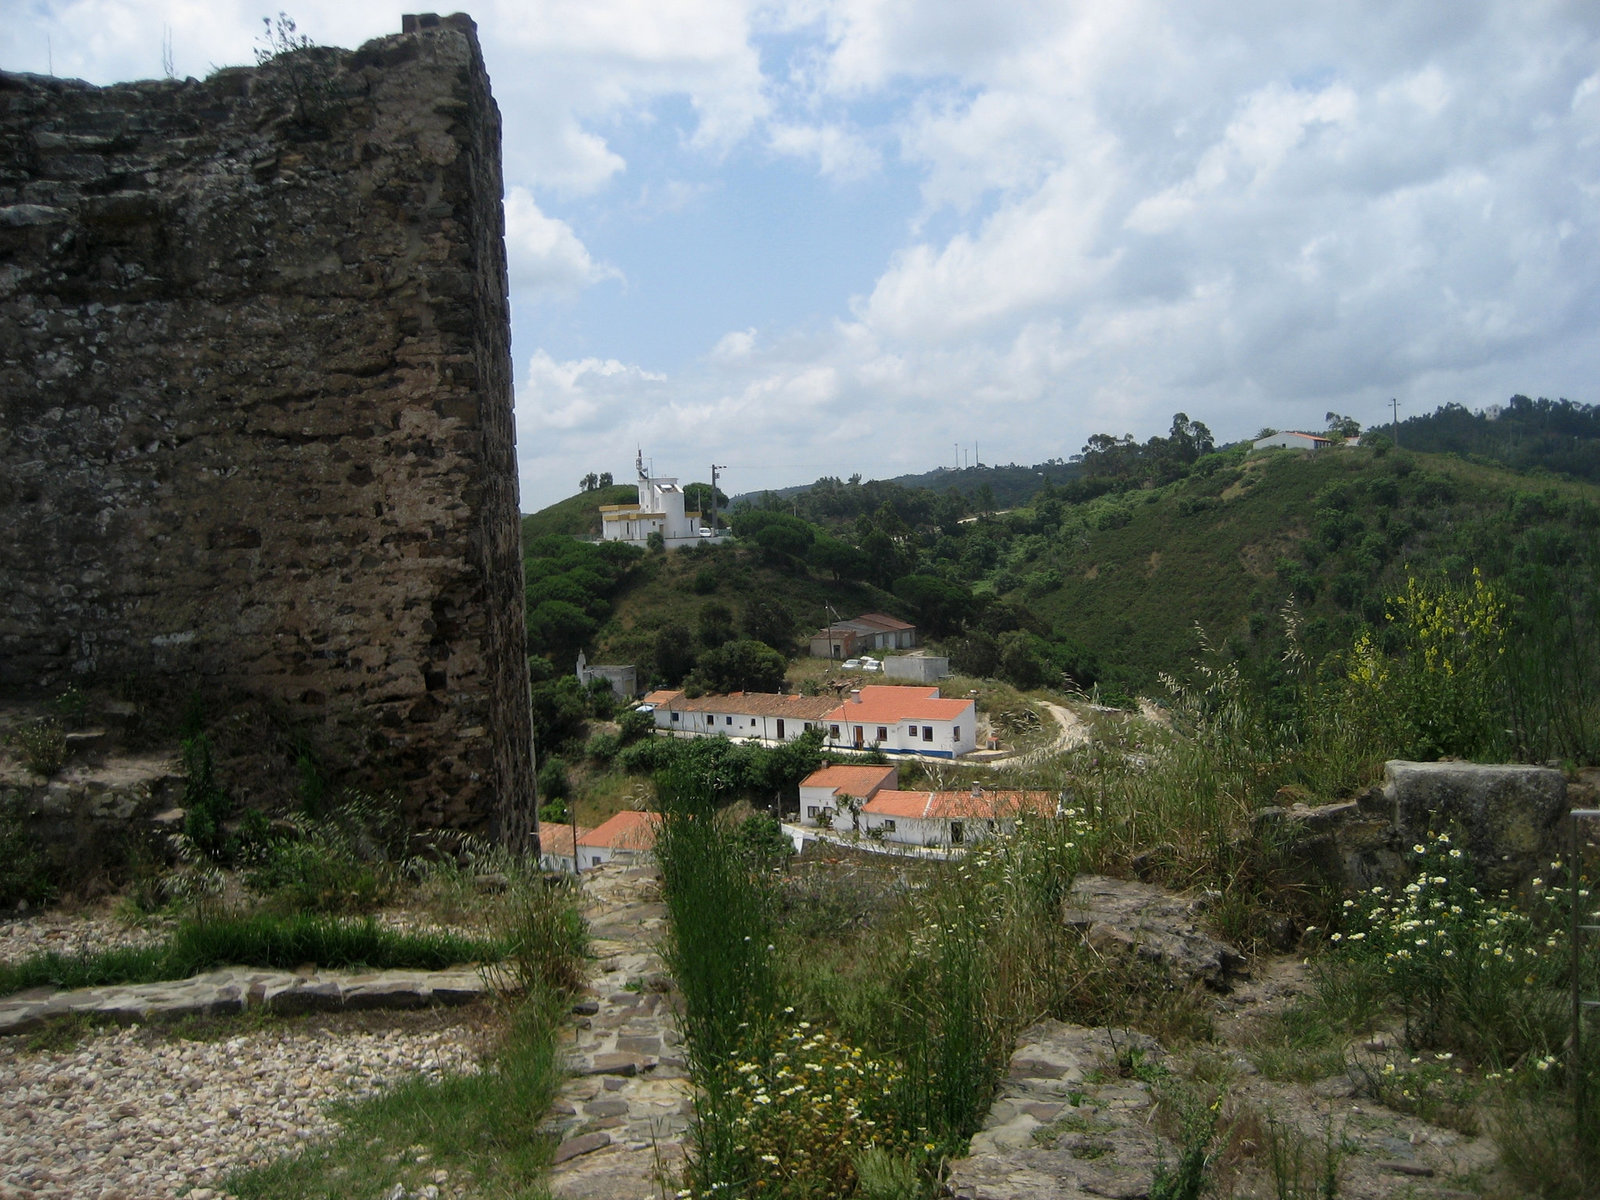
[255, 406]
[1510, 816]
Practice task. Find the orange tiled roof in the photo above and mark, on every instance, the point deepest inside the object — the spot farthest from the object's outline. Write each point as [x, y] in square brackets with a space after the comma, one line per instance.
[985, 805]
[556, 837]
[627, 830]
[759, 704]
[852, 781]
[884, 704]
[662, 696]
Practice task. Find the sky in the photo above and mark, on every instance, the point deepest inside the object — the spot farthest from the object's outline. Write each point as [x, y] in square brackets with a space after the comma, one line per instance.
[825, 237]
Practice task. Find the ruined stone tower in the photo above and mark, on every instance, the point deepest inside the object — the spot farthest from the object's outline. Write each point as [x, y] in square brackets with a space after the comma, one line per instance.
[255, 405]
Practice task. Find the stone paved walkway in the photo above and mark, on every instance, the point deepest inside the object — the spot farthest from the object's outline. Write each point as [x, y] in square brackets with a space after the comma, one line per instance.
[236, 989]
[623, 1115]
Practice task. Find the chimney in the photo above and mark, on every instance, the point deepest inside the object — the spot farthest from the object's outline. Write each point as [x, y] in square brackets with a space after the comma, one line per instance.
[825, 765]
[855, 695]
[977, 791]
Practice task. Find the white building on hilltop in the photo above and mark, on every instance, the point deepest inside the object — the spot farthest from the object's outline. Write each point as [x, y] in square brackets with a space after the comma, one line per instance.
[659, 510]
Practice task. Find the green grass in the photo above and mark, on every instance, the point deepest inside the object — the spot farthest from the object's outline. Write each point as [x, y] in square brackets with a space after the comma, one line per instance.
[484, 1128]
[257, 940]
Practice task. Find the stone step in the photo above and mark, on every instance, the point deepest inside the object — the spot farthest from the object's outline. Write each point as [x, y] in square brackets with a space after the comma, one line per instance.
[236, 989]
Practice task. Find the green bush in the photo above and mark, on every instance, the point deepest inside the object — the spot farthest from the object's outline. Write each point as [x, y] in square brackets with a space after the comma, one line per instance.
[24, 874]
[1468, 974]
[42, 746]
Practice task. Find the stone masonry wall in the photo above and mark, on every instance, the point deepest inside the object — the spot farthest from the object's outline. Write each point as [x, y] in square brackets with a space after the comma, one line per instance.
[255, 405]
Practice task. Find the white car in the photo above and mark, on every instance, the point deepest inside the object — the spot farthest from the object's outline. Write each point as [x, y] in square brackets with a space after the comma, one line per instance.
[851, 664]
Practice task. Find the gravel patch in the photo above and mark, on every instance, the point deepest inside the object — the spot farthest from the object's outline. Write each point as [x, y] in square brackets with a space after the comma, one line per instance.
[128, 1115]
[54, 933]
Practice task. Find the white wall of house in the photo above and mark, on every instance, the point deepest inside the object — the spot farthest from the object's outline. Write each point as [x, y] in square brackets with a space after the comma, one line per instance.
[932, 831]
[732, 723]
[940, 738]
[1291, 441]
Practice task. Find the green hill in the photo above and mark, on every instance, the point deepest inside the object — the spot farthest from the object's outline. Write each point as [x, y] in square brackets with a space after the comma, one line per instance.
[576, 516]
[1109, 591]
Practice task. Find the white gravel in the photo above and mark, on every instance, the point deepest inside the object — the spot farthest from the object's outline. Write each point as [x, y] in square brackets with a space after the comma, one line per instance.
[126, 1117]
[54, 933]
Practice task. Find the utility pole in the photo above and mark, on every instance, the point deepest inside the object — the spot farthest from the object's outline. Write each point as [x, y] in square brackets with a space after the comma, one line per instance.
[957, 445]
[714, 469]
[1394, 406]
[533, 781]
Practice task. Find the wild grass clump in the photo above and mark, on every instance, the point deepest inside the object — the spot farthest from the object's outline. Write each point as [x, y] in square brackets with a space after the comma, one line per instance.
[255, 940]
[349, 858]
[41, 745]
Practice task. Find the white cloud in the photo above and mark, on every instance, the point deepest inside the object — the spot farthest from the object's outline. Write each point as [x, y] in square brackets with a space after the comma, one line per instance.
[838, 153]
[734, 345]
[543, 253]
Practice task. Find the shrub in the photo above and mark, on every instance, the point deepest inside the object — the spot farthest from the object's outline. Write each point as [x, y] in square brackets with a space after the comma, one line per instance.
[1468, 974]
[603, 747]
[24, 875]
[553, 782]
[545, 938]
[42, 746]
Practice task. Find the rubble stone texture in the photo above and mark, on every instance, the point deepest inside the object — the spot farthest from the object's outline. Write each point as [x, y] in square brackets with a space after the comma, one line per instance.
[255, 405]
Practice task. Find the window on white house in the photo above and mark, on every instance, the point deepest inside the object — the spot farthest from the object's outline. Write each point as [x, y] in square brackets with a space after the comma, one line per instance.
[811, 811]
[594, 861]
[955, 733]
[927, 733]
[833, 731]
[729, 720]
[887, 827]
[674, 716]
[752, 722]
[883, 733]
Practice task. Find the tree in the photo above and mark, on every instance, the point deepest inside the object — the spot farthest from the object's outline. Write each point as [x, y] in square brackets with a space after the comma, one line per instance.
[715, 625]
[606, 480]
[1340, 426]
[589, 482]
[559, 630]
[741, 666]
[697, 498]
[941, 607]
[767, 619]
[674, 653]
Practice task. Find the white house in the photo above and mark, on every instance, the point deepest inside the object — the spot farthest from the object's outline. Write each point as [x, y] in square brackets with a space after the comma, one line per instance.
[903, 720]
[659, 510]
[1289, 440]
[833, 796]
[627, 836]
[765, 716]
[949, 818]
[556, 843]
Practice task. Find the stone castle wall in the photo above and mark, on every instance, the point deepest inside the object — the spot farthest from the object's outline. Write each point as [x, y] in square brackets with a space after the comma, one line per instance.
[255, 405]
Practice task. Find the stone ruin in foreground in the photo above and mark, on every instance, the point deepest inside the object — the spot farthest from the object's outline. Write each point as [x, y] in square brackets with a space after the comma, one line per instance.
[255, 406]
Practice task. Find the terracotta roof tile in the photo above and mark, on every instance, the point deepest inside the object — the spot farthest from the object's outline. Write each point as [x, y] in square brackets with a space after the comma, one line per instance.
[884, 704]
[852, 781]
[627, 830]
[986, 805]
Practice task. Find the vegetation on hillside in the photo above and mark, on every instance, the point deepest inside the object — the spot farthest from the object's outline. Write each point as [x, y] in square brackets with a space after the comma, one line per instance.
[924, 977]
